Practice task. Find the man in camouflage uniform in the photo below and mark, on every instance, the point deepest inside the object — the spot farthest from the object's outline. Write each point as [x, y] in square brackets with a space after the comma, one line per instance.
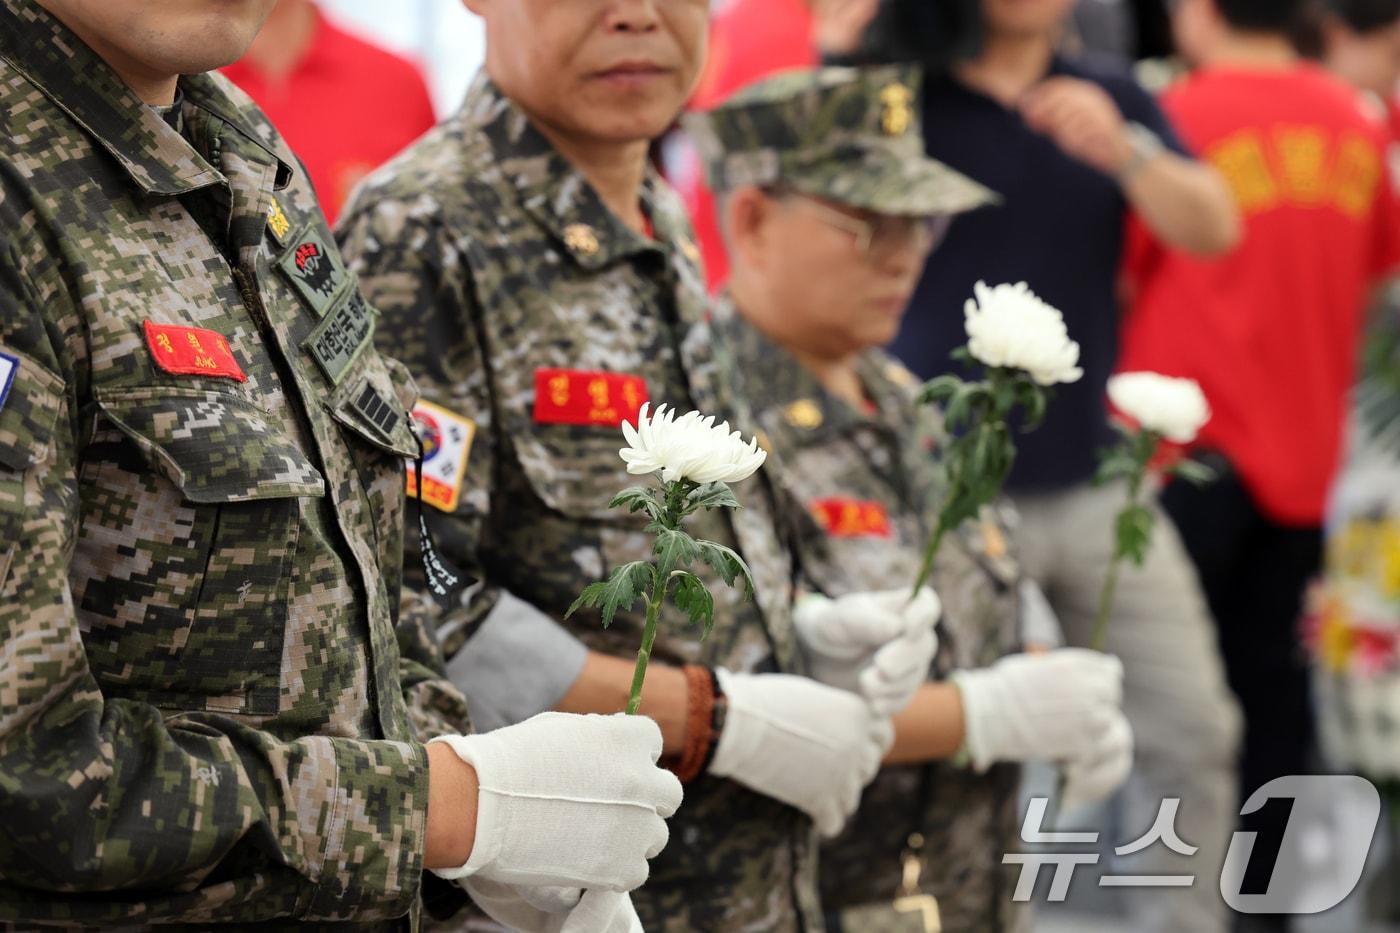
[541, 282]
[207, 701]
[830, 208]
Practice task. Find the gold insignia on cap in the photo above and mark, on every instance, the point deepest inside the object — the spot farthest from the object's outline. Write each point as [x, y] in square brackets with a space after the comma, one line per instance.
[690, 251]
[580, 238]
[804, 413]
[898, 115]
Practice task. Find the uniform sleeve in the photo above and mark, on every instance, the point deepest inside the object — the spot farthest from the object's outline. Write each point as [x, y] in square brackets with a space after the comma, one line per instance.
[115, 811]
[509, 659]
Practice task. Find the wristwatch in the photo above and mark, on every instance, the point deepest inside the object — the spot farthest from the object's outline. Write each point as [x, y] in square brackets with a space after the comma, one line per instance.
[1145, 145]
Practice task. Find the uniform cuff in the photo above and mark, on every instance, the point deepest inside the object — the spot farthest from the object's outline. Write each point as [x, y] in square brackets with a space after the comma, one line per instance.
[372, 834]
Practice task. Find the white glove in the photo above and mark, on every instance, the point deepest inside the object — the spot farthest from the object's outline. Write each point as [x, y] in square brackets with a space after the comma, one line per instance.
[554, 910]
[879, 645]
[570, 801]
[1103, 769]
[810, 746]
[1054, 706]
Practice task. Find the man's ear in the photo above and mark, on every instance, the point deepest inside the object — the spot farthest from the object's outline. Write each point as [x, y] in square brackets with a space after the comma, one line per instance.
[746, 216]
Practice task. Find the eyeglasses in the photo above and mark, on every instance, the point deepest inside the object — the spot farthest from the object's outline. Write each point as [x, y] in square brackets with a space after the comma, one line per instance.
[881, 237]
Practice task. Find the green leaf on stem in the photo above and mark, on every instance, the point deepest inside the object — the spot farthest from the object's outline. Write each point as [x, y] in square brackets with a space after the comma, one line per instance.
[620, 591]
[729, 565]
[939, 390]
[963, 403]
[1193, 471]
[1134, 532]
[710, 496]
[695, 601]
[674, 548]
[1034, 398]
[1114, 464]
[639, 499]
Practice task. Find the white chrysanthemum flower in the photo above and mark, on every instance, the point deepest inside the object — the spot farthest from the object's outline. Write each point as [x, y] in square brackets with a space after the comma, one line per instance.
[1009, 326]
[1175, 408]
[690, 447]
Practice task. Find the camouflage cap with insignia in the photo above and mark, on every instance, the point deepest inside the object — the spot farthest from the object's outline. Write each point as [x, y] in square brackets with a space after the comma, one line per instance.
[851, 135]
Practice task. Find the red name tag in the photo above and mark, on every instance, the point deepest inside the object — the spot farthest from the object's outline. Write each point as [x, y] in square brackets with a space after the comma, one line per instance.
[852, 518]
[569, 396]
[192, 351]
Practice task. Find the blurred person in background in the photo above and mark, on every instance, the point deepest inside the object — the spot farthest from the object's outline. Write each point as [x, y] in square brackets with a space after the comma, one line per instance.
[828, 244]
[344, 105]
[542, 283]
[1271, 332]
[750, 39]
[1074, 149]
[1360, 43]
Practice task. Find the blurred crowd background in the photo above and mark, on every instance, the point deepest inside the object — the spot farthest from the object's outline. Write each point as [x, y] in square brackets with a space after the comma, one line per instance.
[351, 82]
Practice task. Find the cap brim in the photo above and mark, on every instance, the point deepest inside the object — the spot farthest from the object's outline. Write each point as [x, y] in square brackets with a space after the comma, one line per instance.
[901, 187]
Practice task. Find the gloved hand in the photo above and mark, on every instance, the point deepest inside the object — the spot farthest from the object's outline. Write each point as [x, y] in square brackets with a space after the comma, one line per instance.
[879, 645]
[810, 746]
[1055, 706]
[554, 910]
[566, 800]
[1101, 770]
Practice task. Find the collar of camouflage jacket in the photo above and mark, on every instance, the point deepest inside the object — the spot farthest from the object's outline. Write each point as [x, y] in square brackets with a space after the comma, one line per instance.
[156, 157]
[790, 400]
[556, 193]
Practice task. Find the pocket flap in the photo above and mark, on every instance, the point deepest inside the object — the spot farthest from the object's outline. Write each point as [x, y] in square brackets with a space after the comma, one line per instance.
[31, 399]
[575, 469]
[214, 447]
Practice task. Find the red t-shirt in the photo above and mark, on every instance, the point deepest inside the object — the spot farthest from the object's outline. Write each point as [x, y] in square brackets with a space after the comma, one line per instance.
[749, 40]
[345, 108]
[1272, 330]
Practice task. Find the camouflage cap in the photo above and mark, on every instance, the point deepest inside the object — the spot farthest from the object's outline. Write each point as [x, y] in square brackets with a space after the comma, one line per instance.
[852, 135]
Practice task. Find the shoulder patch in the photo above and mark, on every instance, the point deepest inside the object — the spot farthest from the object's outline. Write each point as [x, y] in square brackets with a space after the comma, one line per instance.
[314, 268]
[447, 443]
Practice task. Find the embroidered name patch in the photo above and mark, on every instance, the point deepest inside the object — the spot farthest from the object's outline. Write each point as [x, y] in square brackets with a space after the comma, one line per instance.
[447, 443]
[315, 270]
[852, 518]
[570, 396]
[9, 365]
[192, 351]
[340, 336]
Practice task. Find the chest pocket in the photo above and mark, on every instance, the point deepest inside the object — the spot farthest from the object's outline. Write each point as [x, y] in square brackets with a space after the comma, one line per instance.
[27, 419]
[574, 470]
[189, 524]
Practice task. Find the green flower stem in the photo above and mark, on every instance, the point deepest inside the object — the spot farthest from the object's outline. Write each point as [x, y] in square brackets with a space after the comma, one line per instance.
[926, 569]
[656, 595]
[639, 674]
[1143, 447]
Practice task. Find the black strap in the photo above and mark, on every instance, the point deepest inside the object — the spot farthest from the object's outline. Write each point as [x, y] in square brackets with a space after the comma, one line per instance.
[443, 579]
